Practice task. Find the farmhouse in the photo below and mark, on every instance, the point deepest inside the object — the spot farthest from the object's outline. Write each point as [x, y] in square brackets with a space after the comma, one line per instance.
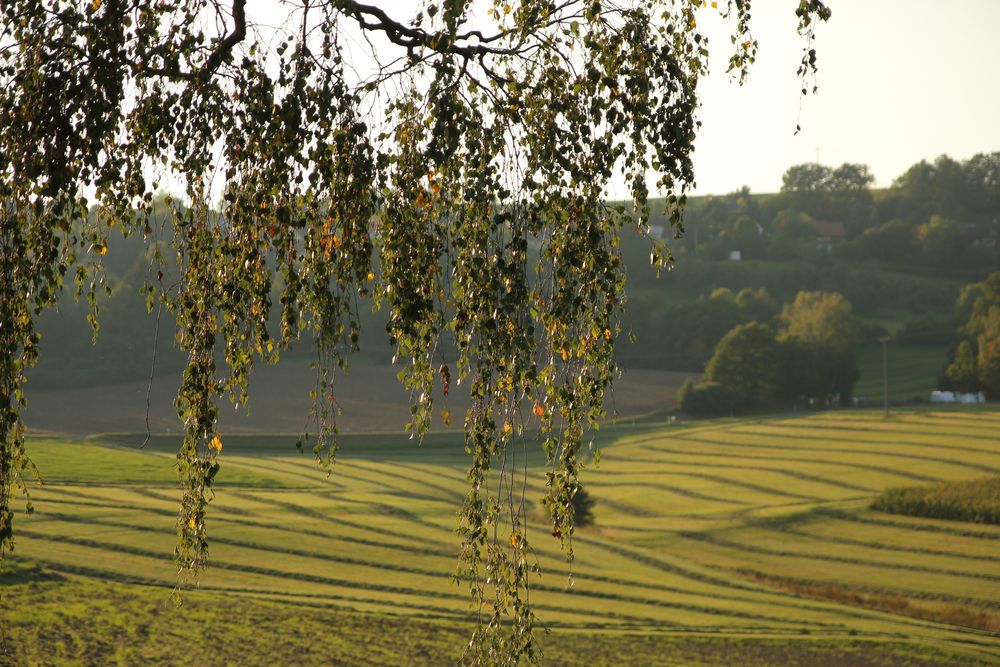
[828, 234]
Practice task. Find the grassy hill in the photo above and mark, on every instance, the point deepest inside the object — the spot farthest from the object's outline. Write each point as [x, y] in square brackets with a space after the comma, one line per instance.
[913, 371]
[735, 541]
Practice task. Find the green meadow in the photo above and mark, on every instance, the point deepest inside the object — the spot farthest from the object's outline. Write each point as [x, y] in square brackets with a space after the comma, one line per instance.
[912, 372]
[721, 542]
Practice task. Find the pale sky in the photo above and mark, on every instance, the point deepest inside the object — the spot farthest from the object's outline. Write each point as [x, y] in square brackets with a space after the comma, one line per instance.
[899, 81]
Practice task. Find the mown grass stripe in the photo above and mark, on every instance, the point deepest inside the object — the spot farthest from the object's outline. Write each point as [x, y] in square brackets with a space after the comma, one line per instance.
[921, 526]
[600, 483]
[760, 457]
[923, 425]
[367, 527]
[126, 578]
[881, 546]
[583, 578]
[445, 492]
[405, 590]
[796, 474]
[816, 433]
[885, 590]
[283, 528]
[41, 502]
[257, 546]
[583, 592]
[718, 541]
[854, 452]
[741, 484]
[277, 466]
[771, 596]
[248, 569]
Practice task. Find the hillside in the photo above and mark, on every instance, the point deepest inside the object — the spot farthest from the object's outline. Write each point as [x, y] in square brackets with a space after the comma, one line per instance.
[722, 532]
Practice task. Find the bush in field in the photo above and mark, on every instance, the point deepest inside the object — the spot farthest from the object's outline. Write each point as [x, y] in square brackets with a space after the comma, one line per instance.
[977, 501]
[583, 508]
[708, 399]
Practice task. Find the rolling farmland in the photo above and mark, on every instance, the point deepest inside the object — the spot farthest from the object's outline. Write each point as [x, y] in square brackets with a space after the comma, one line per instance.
[738, 538]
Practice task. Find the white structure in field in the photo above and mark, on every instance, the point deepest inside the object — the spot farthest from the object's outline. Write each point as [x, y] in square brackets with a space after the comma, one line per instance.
[956, 397]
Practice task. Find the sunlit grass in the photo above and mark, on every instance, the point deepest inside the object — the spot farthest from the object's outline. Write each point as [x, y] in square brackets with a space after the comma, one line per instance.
[735, 527]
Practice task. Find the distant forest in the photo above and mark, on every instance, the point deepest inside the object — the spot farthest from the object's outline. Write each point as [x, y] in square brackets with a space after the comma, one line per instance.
[899, 255]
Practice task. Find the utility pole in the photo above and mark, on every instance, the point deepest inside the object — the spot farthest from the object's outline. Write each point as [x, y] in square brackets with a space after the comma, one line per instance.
[885, 376]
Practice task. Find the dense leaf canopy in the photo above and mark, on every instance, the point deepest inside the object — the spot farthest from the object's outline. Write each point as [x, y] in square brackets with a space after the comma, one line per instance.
[456, 175]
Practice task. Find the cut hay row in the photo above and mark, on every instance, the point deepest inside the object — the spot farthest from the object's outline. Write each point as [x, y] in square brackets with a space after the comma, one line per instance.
[848, 448]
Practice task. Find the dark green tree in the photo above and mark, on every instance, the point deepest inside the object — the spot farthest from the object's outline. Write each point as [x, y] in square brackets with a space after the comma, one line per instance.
[419, 179]
[978, 311]
[842, 194]
[583, 508]
[748, 362]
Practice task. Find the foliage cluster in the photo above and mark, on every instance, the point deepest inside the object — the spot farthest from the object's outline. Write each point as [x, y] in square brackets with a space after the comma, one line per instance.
[419, 183]
[809, 357]
[708, 399]
[682, 336]
[976, 500]
[975, 362]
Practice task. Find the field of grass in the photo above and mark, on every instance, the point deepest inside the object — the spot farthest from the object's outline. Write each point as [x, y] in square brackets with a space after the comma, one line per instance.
[725, 542]
[913, 371]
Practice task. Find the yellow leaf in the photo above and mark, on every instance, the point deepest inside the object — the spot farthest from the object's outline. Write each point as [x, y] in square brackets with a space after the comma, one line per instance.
[95, 5]
[538, 410]
[446, 417]
[507, 427]
[216, 444]
[192, 523]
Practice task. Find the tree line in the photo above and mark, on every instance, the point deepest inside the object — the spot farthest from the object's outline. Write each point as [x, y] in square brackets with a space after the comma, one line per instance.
[943, 213]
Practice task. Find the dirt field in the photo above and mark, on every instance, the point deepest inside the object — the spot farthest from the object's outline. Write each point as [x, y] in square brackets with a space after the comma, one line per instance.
[370, 397]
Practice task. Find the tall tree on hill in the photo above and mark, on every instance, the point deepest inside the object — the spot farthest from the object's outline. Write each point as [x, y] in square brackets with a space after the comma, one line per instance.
[842, 194]
[976, 364]
[821, 329]
[967, 191]
[418, 177]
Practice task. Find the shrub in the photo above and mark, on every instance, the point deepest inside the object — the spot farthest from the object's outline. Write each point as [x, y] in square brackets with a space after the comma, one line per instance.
[708, 399]
[583, 508]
